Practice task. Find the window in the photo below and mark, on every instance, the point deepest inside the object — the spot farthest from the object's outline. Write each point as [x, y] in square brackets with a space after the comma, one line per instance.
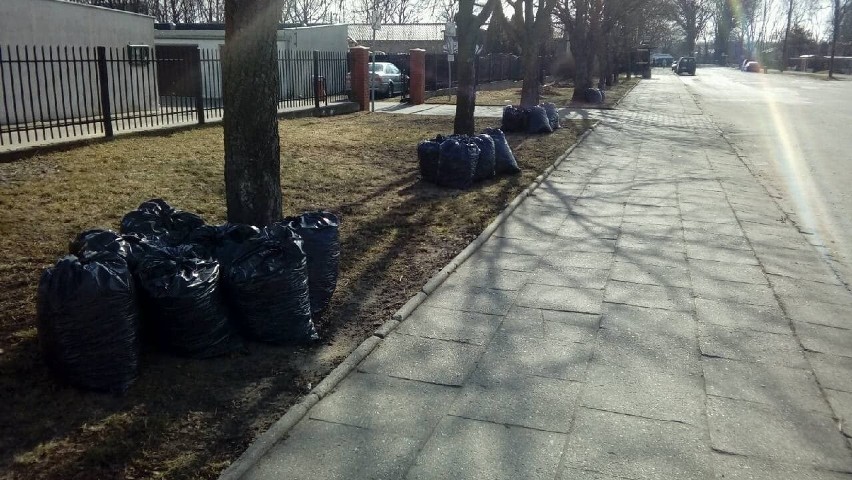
[138, 54]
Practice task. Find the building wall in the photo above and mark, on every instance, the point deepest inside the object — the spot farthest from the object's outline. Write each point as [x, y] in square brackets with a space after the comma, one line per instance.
[53, 22]
[296, 82]
[67, 89]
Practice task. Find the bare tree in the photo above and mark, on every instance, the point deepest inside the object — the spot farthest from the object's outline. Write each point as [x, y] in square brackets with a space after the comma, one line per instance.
[531, 23]
[692, 16]
[307, 12]
[250, 92]
[468, 23]
[581, 19]
[837, 20]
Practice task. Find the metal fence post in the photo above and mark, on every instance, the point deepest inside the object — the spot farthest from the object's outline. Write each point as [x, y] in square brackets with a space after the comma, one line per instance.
[103, 79]
[198, 86]
[316, 80]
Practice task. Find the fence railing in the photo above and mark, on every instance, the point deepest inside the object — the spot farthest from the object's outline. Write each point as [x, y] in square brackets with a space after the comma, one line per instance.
[54, 93]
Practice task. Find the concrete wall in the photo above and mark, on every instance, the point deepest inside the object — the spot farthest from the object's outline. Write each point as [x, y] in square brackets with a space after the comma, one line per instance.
[53, 22]
[66, 88]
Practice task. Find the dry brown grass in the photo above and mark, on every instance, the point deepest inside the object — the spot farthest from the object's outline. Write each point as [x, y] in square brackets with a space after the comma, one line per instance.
[560, 95]
[187, 419]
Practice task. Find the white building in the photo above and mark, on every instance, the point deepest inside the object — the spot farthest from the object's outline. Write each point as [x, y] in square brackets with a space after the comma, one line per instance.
[59, 80]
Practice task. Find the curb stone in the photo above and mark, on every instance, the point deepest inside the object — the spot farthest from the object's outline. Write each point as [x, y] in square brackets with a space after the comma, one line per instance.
[260, 446]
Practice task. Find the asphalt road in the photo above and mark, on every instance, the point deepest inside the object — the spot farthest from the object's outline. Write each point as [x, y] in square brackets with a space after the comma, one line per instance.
[795, 131]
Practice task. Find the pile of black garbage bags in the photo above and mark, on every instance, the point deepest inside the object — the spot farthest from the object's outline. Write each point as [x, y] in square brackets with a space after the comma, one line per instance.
[594, 95]
[188, 288]
[542, 118]
[457, 161]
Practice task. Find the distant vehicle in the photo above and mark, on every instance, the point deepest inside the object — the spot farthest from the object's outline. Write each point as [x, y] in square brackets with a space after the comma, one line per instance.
[752, 67]
[388, 79]
[685, 65]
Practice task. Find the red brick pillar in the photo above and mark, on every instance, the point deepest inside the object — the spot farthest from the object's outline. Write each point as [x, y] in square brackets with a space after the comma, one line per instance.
[417, 82]
[360, 83]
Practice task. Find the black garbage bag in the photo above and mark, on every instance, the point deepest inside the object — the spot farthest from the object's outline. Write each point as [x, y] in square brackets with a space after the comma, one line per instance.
[267, 287]
[182, 305]
[514, 119]
[504, 159]
[97, 240]
[537, 121]
[428, 156]
[459, 155]
[552, 115]
[159, 219]
[221, 242]
[321, 243]
[138, 246]
[88, 322]
[486, 164]
[592, 95]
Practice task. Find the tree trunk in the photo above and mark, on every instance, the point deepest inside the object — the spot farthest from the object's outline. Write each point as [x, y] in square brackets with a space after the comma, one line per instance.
[835, 30]
[783, 65]
[531, 88]
[250, 95]
[464, 123]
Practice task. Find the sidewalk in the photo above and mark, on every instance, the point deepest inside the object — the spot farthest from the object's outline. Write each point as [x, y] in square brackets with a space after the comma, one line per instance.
[643, 314]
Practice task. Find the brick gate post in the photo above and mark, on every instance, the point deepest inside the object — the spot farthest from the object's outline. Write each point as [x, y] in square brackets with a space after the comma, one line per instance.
[360, 82]
[417, 82]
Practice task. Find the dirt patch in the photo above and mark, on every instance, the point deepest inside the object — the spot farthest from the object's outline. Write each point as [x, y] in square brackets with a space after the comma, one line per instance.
[188, 419]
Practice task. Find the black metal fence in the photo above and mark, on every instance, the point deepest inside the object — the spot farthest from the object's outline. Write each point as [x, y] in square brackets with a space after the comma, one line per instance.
[52, 93]
[440, 71]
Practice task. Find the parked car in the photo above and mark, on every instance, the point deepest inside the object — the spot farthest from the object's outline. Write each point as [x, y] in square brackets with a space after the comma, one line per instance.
[388, 79]
[686, 65]
[752, 67]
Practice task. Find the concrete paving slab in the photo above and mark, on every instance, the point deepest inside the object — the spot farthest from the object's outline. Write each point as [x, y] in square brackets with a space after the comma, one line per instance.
[515, 245]
[726, 255]
[738, 315]
[751, 429]
[650, 296]
[712, 228]
[805, 271]
[828, 314]
[463, 448]
[583, 228]
[833, 371]
[736, 467]
[501, 261]
[733, 292]
[786, 389]
[589, 244]
[632, 447]
[487, 276]
[471, 299]
[650, 274]
[715, 270]
[423, 359]
[454, 325]
[652, 254]
[822, 339]
[751, 346]
[841, 404]
[558, 274]
[562, 256]
[534, 402]
[645, 393]
[650, 351]
[731, 242]
[813, 291]
[548, 297]
[511, 356]
[316, 449]
[378, 402]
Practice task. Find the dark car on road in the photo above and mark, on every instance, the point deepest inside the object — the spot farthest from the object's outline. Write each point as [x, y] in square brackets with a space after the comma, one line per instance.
[752, 67]
[685, 65]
